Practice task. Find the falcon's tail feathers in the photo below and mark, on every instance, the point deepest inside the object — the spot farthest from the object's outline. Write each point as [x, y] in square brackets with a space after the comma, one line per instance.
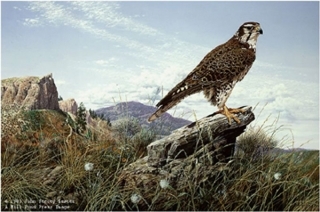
[162, 110]
[175, 96]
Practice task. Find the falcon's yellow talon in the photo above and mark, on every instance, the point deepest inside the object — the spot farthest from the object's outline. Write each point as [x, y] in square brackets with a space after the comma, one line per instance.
[236, 110]
[229, 113]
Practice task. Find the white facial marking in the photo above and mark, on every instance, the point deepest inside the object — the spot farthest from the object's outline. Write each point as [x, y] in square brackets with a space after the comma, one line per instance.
[249, 36]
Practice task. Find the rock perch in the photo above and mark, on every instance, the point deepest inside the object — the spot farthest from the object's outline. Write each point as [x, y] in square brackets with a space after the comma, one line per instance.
[192, 152]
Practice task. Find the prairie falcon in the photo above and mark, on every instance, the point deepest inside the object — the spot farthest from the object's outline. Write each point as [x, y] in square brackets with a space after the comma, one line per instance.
[218, 72]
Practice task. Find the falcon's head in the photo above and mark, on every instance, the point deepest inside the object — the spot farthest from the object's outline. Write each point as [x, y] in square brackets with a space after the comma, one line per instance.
[248, 33]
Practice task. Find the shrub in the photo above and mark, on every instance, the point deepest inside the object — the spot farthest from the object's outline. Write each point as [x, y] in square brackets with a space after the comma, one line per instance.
[255, 143]
[126, 127]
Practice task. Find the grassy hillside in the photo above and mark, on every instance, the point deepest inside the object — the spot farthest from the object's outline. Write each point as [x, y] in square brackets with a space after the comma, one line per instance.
[48, 166]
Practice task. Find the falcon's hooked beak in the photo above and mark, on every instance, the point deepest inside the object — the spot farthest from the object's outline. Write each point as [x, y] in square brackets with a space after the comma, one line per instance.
[260, 31]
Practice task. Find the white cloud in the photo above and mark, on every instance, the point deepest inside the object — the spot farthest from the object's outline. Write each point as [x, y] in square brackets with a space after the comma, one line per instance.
[153, 77]
[17, 8]
[31, 22]
[102, 95]
[99, 17]
[101, 62]
[60, 82]
[109, 62]
[108, 14]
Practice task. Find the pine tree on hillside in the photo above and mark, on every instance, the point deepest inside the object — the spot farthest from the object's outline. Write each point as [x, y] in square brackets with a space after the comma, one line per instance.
[93, 114]
[60, 98]
[81, 119]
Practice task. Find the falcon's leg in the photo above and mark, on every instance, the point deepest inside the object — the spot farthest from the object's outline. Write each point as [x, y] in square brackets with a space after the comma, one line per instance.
[229, 113]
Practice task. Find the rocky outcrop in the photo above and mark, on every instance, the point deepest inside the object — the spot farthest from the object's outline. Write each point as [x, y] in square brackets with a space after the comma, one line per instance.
[194, 153]
[69, 106]
[30, 92]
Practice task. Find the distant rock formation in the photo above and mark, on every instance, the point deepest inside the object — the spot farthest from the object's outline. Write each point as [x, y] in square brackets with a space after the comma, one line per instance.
[30, 92]
[69, 106]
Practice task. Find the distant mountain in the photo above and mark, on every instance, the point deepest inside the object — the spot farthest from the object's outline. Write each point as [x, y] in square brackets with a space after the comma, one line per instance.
[163, 125]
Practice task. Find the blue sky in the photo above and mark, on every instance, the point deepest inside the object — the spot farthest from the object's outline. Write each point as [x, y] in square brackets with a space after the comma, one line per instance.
[102, 53]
